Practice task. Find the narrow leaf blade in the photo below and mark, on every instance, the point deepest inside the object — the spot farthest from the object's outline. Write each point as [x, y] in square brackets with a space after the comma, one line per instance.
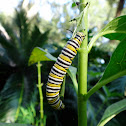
[72, 73]
[80, 20]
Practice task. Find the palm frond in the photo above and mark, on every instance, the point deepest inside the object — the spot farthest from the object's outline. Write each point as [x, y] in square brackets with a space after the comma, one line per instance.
[23, 26]
[3, 56]
[36, 39]
[11, 50]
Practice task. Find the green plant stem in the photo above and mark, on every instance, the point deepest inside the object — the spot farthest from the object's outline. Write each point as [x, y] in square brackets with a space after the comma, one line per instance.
[82, 69]
[40, 93]
[20, 101]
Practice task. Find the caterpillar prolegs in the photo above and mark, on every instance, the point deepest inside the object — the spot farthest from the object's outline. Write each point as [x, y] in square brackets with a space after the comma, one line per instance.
[59, 70]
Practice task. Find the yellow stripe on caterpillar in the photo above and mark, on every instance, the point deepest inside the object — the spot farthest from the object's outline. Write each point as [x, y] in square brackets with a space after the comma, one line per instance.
[59, 67]
[71, 48]
[55, 76]
[71, 59]
[53, 85]
[51, 94]
[65, 58]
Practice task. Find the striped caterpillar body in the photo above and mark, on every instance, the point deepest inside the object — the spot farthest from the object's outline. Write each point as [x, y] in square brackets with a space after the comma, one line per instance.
[59, 70]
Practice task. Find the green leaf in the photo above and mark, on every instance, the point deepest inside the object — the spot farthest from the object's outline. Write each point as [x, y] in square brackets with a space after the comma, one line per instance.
[115, 69]
[13, 124]
[73, 4]
[38, 54]
[112, 111]
[117, 65]
[115, 29]
[72, 73]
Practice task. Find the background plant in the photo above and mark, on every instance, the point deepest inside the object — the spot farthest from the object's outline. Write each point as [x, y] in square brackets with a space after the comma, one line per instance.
[17, 43]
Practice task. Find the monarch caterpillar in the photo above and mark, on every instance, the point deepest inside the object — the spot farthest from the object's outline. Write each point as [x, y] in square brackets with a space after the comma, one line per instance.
[59, 70]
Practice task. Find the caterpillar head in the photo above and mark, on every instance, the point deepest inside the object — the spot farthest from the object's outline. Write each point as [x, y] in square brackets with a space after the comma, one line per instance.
[80, 36]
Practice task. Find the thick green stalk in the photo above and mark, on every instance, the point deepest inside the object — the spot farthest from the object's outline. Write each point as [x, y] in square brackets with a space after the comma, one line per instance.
[40, 93]
[82, 86]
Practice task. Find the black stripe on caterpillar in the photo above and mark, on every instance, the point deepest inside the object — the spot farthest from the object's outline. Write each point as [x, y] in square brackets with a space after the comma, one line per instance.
[59, 70]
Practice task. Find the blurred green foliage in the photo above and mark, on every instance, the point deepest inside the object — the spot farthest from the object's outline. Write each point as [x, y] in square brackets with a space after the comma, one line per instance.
[24, 35]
